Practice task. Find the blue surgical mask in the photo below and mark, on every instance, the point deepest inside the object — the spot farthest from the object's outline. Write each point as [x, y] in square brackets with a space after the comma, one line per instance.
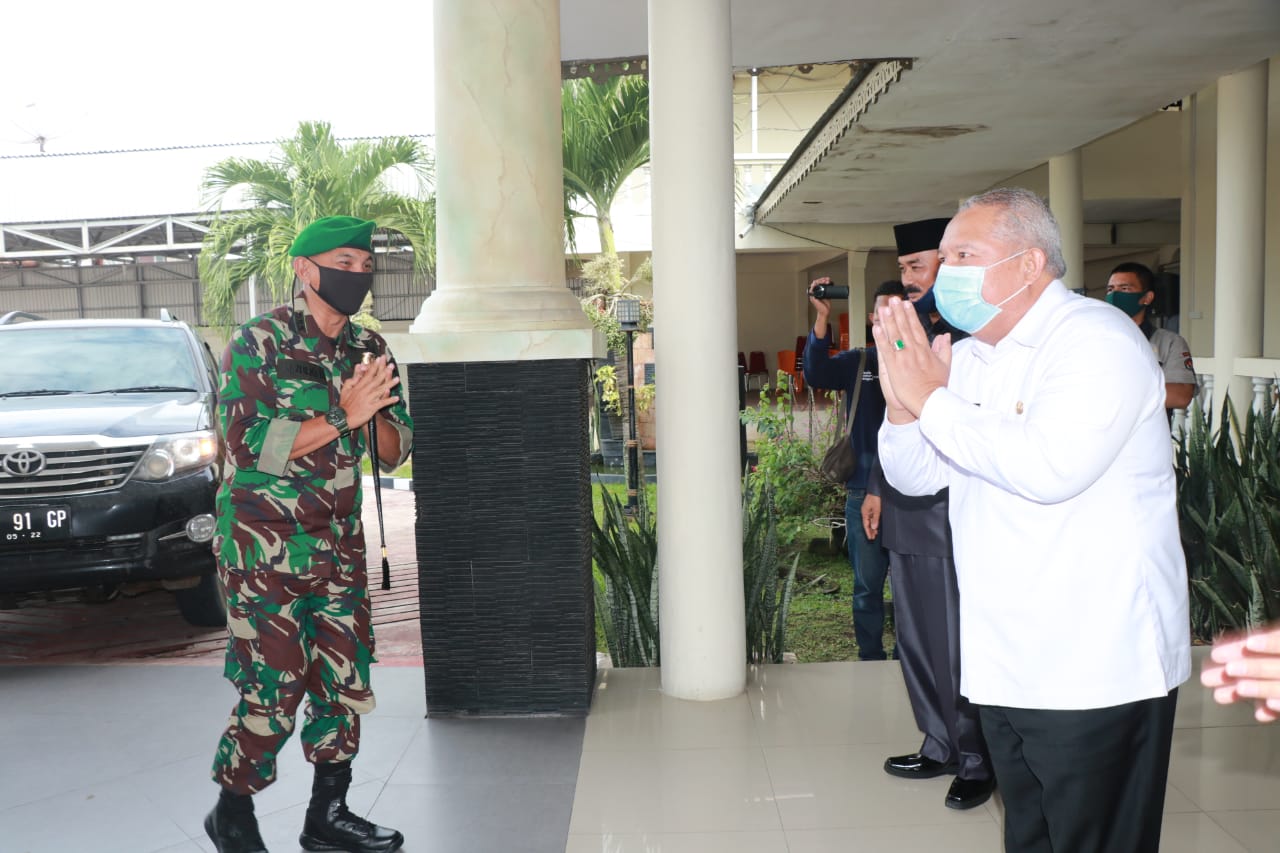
[959, 294]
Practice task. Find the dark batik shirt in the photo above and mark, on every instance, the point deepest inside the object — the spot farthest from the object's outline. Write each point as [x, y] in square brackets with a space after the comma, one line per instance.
[299, 516]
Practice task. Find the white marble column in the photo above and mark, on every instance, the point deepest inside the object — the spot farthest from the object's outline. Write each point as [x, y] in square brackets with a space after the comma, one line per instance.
[699, 487]
[1066, 200]
[1240, 243]
[500, 292]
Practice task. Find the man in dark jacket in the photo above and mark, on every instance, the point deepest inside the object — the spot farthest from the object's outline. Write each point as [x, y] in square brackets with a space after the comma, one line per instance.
[916, 533]
[839, 372]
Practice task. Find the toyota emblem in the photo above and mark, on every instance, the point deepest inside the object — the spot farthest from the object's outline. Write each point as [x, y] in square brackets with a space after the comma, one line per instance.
[23, 463]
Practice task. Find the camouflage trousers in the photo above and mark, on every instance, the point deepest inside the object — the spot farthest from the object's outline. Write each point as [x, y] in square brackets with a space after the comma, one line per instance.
[290, 636]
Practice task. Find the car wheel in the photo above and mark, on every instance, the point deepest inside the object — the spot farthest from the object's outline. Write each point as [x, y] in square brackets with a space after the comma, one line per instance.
[205, 604]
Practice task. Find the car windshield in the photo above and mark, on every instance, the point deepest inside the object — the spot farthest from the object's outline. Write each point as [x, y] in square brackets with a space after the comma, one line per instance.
[43, 361]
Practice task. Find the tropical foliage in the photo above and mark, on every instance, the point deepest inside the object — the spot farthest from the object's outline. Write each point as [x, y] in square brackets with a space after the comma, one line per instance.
[1229, 513]
[606, 138]
[788, 461]
[605, 286]
[768, 597]
[313, 175]
[625, 550]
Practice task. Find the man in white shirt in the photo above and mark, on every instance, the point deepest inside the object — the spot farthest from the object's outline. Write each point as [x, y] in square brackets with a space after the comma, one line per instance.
[1049, 427]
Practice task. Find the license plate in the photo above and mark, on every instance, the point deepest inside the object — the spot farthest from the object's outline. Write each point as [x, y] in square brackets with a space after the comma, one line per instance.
[34, 524]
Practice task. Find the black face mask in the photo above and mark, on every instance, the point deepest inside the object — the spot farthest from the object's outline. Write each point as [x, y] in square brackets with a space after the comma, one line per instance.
[926, 305]
[343, 290]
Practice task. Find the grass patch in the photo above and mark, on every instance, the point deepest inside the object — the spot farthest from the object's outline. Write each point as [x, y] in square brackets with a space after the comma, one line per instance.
[820, 626]
[405, 470]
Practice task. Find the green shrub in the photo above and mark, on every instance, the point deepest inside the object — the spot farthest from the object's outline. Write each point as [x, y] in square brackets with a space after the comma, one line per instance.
[1229, 514]
[788, 461]
[768, 601]
[625, 550]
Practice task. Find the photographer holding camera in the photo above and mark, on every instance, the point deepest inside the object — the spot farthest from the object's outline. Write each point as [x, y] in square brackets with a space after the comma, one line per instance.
[840, 372]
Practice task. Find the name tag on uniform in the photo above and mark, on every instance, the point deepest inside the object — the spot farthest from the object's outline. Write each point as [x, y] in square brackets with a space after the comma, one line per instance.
[290, 369]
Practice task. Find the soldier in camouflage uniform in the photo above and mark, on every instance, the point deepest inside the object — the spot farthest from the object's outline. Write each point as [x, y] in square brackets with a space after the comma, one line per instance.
[290, 545]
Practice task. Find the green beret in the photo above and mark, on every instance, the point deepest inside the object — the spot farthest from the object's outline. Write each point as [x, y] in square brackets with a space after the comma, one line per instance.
[333, 232]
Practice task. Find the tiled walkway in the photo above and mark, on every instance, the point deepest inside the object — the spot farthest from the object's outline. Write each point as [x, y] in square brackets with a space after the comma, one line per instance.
[794, 766]
[115, 757]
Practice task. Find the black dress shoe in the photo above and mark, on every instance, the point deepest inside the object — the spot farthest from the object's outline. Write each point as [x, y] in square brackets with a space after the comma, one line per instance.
[916, 766]
[969, 793]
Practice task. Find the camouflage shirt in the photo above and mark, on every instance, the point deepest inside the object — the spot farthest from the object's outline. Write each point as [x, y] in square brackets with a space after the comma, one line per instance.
[299, 516]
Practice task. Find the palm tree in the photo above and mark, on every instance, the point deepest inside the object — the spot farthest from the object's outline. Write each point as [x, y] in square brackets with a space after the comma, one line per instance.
[606, 138]
[312, 176]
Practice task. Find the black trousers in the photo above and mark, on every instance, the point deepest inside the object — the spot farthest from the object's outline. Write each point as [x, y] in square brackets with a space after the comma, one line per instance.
[1082, 781]
[926, 612]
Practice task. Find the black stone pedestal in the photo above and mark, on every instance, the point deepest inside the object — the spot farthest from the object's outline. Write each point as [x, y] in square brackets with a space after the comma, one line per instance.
[501, 477]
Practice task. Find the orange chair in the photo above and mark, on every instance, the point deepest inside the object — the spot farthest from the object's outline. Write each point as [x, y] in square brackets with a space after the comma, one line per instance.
[787, 365]
[756, 367]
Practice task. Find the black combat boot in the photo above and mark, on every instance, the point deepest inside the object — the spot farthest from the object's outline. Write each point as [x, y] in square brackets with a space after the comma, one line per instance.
[231, 825]
[331, 826]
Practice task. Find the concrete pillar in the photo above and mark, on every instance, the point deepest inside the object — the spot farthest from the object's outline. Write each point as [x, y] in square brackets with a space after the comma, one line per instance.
[498, 381]
[1240, 247]
[699, 487]
[860, 296]
[499, 185]
[1187, 227]
[1066, 200]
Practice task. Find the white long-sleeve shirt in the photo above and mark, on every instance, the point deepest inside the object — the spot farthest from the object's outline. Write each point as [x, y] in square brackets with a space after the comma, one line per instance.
[1073, 587]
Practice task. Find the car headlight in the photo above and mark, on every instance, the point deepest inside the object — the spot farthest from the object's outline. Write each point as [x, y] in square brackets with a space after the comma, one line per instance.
[177, 454]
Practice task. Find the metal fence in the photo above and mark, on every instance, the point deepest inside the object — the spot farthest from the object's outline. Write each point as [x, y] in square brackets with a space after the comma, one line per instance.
[141, 289]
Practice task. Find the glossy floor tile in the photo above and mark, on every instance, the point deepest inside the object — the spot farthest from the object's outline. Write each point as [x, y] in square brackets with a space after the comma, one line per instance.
[116, 758]
[661, 775]
[676, 842]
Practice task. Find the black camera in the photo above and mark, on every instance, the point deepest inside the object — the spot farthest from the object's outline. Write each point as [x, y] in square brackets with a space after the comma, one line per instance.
[829, 291]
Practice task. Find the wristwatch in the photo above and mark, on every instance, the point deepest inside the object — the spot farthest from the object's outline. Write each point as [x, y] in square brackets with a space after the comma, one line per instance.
[337, 417]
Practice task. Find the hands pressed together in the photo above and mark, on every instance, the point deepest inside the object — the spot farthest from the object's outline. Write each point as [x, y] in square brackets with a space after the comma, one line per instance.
[368, 391]
[1246, 667]
[910, 367]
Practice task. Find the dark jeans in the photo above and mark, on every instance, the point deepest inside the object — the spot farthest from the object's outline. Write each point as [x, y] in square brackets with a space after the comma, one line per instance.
[1082, 780]
[870, 564]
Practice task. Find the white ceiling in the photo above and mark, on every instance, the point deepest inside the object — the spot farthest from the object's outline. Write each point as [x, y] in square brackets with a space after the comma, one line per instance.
[997, 86]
